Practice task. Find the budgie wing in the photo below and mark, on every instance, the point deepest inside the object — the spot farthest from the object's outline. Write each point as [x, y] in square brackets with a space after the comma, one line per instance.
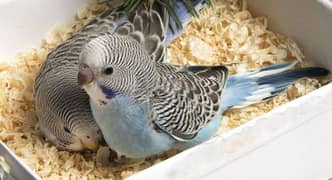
[147, 28]
[68, 52]
[187, 98]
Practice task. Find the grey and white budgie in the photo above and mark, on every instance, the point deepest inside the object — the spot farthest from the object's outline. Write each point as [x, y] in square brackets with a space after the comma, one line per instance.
[62, 106]
[145, 107]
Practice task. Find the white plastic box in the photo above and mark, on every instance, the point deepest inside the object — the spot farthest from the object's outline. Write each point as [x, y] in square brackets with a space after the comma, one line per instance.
[293, 141]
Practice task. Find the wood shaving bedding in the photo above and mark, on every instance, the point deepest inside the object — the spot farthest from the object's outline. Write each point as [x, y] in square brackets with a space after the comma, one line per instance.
[225, 34]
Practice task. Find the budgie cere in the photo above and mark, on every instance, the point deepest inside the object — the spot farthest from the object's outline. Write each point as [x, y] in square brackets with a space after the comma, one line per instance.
[145, 107]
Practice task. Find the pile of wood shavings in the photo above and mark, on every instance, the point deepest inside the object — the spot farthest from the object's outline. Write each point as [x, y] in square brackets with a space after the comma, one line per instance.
[224, 34]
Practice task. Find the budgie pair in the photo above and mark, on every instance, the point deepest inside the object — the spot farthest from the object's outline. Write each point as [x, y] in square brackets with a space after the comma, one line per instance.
[109, 80]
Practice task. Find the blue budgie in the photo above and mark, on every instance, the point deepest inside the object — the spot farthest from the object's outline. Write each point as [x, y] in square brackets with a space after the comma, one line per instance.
[145, 107]
[63, 108]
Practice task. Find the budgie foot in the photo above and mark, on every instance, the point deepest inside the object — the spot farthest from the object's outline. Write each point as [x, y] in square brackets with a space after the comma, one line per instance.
[119, 160]
[108, 157]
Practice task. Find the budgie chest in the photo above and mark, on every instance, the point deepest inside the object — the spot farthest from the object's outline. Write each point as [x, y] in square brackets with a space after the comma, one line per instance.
[128, 130]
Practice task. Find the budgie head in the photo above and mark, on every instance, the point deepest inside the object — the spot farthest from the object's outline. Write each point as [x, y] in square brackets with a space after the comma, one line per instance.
[84, 133]
[75, 133]
[112, 65]
[63, 110]
[124, 62]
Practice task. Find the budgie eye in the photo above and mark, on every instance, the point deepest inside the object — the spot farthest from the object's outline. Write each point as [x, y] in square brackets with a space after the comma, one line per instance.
[108, 71]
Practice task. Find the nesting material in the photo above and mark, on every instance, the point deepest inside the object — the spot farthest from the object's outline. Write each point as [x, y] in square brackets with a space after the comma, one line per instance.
[200, 50]
[227, 33]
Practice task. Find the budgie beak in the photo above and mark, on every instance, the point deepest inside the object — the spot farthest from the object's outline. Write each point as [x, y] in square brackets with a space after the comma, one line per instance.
[86, 81]
[85, 75]
[90, 144]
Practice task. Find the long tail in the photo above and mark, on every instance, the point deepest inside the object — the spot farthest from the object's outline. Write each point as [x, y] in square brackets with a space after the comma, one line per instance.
[257, 86]
[184, 15]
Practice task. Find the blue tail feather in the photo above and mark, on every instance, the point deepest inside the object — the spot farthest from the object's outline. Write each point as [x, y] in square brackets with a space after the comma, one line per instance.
[263, 84]
[184, 15]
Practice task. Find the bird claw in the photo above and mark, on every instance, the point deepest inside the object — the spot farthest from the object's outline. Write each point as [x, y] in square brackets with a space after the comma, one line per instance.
[120, 160]
[106, 157]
